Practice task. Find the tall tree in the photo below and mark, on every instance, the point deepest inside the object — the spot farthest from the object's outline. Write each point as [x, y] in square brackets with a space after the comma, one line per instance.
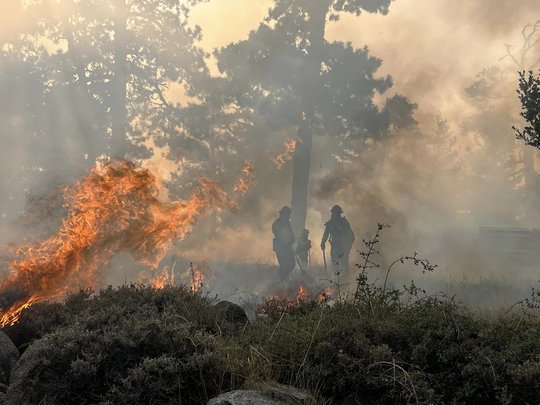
[104, 67]
[288, 73]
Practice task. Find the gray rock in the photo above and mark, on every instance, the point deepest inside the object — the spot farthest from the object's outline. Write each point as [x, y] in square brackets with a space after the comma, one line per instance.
[17, 392]
[231, 312]
[290, 395]
[245, 397]
[267, 394]
[9, 355]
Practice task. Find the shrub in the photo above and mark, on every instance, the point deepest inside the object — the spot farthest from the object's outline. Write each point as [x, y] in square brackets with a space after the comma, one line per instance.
[139, 345]
[128, 345]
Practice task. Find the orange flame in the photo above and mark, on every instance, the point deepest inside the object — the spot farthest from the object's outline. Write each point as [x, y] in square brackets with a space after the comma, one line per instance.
[163, 279]
[290, 147]
[113, 208]
[326, 294]
[302, 294]
[197, 275]
[242, 185]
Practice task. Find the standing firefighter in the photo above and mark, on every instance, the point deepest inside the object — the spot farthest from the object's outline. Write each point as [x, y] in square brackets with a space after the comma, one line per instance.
[303, 246]
[341, 237]
[283, 242]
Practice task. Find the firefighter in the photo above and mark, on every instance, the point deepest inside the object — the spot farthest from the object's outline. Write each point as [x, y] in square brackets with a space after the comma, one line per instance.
[283, 242]
[303, 248]
[341, 236]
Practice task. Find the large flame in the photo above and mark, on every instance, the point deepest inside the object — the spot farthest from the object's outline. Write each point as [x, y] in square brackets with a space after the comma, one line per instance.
[290, 147]
[114, 207]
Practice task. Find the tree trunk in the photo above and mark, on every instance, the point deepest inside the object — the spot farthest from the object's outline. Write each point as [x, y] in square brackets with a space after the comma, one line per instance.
[302, 155]
[531, 193]
[300, 182]
[118, 140]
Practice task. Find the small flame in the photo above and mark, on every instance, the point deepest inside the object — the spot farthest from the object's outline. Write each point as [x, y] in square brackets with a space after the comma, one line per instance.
[197, 275]
[242, 185]
[115, 207]
[302, 294]
[162, 279]
[326, 294]
[290, 147]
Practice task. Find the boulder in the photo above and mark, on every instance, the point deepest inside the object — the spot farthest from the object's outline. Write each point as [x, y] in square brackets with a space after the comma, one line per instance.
[9, 355]
[17, 392]
[267, 394]
[231, 312]
[245, 397]
[289, 394]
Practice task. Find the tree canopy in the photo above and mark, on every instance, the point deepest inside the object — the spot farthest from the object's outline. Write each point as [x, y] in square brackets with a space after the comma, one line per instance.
[102, 69]
[529, 95]
[287, 77]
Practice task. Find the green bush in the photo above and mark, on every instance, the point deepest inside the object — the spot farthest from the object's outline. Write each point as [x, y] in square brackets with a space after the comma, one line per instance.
[139, 345]
[394, 347]
[129, 345]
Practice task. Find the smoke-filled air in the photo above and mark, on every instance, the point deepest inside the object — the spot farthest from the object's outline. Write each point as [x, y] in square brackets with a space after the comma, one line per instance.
[269, 151]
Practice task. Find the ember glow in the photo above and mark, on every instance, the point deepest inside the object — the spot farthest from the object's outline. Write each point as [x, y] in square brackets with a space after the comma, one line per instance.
[113, 208]
[290, 147]
[326, 294]
[302, 294]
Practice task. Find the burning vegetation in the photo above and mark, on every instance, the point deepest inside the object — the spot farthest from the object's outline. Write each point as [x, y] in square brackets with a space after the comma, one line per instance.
[115, 207]
[243, 184]
[287, 155]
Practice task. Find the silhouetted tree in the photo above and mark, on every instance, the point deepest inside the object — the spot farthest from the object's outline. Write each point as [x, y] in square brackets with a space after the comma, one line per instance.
[287, 75]
[102, 69]
[495, 160]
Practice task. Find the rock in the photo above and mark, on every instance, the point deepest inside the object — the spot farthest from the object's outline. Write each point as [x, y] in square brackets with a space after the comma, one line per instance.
[290, 395]
[17, 392]
[231, 312]
[268, 394]
[2, 398]
[9, 355]
[245, 397]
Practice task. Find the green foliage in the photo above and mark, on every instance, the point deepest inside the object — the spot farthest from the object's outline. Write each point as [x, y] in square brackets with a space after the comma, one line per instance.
[529, 95]
[39, 319]
[139, 345]
[404, 346]
[114, 62]
[130, 345]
